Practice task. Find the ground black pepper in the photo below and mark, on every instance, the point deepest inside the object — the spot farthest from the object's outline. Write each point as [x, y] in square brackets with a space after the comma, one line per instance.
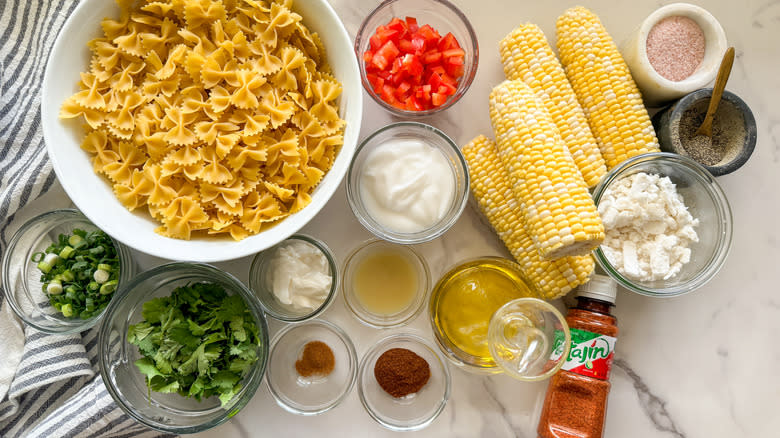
[728, 133]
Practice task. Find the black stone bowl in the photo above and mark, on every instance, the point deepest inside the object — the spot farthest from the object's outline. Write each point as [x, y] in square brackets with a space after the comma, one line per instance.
[667, 121]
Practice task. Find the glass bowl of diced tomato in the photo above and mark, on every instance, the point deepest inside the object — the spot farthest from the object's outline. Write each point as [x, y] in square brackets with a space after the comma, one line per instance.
[417, 57]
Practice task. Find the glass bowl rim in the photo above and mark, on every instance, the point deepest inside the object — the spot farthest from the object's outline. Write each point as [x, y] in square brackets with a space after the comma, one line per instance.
[422, 296]
[723, 211]
[438, 229]
[258, 368]
[260, 257]
[353, 360]
[463, 85]
[414, 338]
[125, 262]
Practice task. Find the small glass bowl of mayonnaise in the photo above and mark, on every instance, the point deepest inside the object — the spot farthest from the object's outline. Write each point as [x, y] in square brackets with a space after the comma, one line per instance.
[408, 183]
[295, 280]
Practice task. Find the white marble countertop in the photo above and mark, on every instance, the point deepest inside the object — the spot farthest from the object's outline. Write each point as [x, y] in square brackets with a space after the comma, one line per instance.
[694, 366]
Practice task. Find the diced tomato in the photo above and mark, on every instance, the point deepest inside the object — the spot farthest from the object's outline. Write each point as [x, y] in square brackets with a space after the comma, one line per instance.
[411, 24]
[453, 52]
[448, 42]
[412, 67]
[385, 55]
[438, 99]
[432, 57]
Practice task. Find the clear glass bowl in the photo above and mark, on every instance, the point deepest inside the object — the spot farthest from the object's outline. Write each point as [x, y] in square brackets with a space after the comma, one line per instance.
[259, 282]
[705, 201]
[529, 339]
[509, 271]
[442, 16]
[365, 315]
[428, 135]
[310, 395]
[415, 411]
[21, 277]
[170, 413]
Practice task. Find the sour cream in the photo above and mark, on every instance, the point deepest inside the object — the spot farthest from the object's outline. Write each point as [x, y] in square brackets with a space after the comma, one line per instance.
[406, 185]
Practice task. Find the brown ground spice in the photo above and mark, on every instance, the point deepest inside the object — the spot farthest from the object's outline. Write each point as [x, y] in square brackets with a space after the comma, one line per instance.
[317, 360]
[401, 372]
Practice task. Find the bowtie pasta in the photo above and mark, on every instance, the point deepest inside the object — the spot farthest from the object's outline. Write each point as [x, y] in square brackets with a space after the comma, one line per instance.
[217, 116]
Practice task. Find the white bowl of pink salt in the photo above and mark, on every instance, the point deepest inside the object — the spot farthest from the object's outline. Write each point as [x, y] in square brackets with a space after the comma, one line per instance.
[677, 49]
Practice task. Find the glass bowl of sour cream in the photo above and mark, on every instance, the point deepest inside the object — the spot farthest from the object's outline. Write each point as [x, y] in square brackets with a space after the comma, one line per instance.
[408, 183]
[295, 280]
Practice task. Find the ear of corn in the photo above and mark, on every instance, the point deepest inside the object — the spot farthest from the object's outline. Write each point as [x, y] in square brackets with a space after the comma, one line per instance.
[493, 193]
[527, 56]
[604, 87]
[558, 212]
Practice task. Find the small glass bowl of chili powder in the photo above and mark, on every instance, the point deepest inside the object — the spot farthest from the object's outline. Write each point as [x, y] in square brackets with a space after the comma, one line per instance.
[395, 386]
[312, 368]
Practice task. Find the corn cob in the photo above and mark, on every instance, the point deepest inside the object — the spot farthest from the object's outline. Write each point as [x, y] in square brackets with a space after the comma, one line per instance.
[527, 56]
[558, 212]
[604, 87]
[490, 187]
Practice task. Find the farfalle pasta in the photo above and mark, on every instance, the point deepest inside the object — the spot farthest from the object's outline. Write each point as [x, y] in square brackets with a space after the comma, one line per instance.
[216, 116]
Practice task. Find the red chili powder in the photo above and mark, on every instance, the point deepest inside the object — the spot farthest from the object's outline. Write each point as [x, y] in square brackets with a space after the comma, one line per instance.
[675, 47]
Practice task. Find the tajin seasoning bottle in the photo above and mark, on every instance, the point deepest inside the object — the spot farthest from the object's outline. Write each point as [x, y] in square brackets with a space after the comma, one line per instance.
[576, 402]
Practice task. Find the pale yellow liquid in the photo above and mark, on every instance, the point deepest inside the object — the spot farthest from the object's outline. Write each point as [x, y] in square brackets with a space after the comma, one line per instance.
[466, 298]
[385, 282]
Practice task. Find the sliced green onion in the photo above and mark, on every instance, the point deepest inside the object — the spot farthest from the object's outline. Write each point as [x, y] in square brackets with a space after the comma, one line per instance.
[104, 267]
[93, 286]
[68, 275]
[54, 288]
[108, 287]
[67, 310]
[66, 252]
[101, 276]
[75, 240]
[44, 267]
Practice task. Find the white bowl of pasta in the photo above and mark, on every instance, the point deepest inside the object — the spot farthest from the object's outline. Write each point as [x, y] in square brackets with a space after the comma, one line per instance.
[202, 132]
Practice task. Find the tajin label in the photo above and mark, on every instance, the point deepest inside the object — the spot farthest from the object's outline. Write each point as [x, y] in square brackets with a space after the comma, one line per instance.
[590, 354]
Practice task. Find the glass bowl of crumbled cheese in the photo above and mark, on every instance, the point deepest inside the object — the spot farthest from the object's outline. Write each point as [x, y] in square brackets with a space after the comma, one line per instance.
[668, 224]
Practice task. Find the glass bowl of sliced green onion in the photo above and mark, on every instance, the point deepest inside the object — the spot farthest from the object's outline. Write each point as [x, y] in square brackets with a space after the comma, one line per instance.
[184, 349]
[60, 271]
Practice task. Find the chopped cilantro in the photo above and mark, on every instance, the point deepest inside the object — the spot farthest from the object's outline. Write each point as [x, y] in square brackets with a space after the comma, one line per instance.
[198, 342]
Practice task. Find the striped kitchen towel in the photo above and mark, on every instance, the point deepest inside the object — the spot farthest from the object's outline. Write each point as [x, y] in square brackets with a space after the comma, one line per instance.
[54, 389]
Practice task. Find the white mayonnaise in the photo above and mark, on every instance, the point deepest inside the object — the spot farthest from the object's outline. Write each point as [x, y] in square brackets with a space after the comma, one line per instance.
[300, 276]
[407, 185]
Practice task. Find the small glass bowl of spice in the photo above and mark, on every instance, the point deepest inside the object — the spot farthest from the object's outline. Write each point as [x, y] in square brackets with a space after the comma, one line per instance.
[408, 183]
[313, 367]
[733, 131]
[403, 383]
[668, 224]
[295, 280]
[676, 49]
[60, 272]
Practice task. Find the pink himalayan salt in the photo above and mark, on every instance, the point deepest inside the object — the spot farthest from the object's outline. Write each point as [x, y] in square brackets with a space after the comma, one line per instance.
[675, 47]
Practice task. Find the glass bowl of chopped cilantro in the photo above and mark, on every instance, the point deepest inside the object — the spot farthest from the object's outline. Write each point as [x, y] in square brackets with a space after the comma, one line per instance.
[185, 348]
[60, 271]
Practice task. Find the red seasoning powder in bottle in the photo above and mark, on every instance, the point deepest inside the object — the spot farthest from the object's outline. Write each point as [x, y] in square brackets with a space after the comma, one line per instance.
[675, 47]
[576, 402]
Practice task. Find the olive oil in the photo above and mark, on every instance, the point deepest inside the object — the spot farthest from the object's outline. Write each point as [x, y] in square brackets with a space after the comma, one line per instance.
[465, 299]
[385, 282]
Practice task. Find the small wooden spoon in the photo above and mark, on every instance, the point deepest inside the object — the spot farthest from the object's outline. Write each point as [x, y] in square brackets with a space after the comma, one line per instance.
[717, 92]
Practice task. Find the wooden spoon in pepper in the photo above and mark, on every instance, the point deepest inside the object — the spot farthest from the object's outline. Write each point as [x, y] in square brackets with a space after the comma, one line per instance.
[717, 91]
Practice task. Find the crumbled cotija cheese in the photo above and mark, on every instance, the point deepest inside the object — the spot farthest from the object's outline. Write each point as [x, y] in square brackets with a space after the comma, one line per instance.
[648, 227]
